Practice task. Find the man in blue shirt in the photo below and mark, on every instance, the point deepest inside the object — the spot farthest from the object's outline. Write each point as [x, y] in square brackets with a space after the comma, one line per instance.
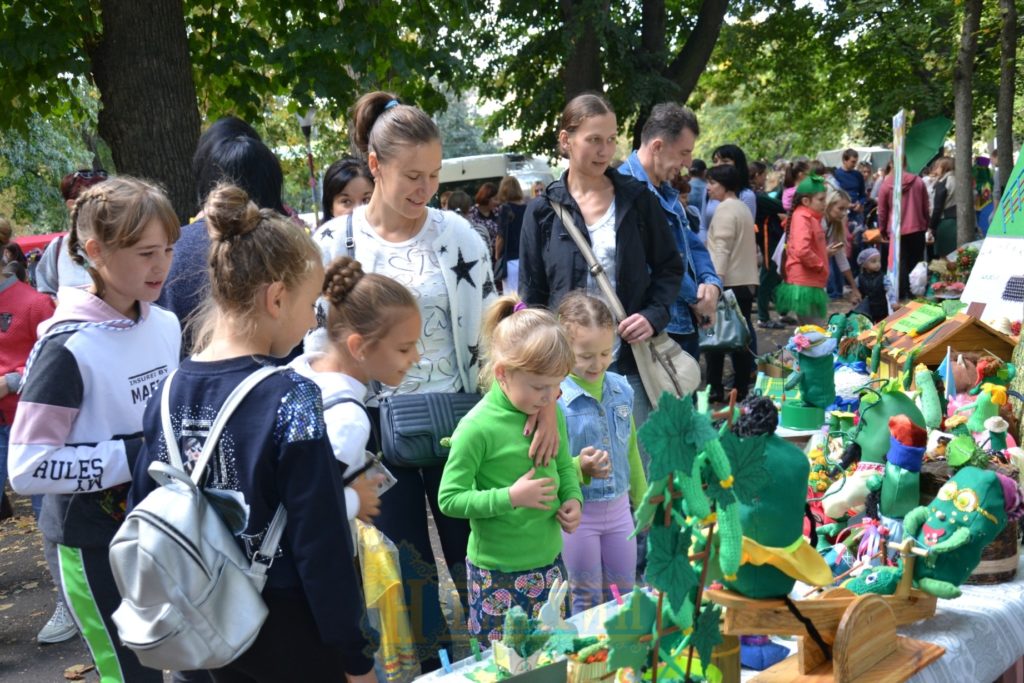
[666, 146]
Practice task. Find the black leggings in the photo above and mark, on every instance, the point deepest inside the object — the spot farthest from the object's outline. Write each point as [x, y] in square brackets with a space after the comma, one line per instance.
[403, 519]
[288, 647]
[742, 361]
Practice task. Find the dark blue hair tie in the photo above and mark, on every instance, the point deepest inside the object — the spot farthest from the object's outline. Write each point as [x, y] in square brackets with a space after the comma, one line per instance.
[392, 103]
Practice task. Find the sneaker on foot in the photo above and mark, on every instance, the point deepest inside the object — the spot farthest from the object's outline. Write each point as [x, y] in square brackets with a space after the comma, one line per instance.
[59, 628]
[770, 325]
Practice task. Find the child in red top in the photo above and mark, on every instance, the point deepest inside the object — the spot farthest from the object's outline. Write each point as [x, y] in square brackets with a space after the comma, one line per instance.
[21, 310]
[805, 262]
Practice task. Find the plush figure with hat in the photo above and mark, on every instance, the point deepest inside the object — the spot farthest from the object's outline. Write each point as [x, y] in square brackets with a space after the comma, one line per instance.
[897, 489]
[991, 397]
[969, 511]
[775, 551]
[813, 349]
[869, 443]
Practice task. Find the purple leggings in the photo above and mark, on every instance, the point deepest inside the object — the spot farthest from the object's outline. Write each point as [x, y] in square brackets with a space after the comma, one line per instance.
[600, 553]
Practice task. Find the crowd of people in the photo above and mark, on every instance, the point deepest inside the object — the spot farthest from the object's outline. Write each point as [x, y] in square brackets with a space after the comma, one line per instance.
[390, 297]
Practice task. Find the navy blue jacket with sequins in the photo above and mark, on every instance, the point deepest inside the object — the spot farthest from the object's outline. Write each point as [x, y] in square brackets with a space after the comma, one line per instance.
[274, 449]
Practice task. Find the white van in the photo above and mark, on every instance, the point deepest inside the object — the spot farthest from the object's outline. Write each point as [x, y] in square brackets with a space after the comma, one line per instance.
[469, 173]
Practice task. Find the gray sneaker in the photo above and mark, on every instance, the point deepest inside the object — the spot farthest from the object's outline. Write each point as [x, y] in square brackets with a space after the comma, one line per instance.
[59, 628]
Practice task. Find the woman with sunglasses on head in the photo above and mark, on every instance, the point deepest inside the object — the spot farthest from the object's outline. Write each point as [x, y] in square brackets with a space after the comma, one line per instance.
[56, 269]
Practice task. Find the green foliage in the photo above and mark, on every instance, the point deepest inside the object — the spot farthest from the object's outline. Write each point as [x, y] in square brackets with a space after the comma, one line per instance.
[668, 563]
[674, 435]
[462, 129]
[629, 632]
[706, 634]
[746, 458]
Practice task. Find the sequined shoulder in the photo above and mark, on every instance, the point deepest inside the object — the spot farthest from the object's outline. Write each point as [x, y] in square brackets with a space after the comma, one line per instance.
[300, 415]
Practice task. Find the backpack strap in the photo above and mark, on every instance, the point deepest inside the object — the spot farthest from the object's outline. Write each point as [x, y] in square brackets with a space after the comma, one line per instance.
[370, 461]
[263, 557]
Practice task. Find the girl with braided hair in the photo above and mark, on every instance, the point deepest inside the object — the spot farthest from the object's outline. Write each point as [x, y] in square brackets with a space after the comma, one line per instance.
[373, 326]
[97, 363]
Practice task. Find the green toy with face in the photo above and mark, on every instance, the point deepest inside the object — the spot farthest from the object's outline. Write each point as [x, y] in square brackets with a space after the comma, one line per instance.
[966, 515]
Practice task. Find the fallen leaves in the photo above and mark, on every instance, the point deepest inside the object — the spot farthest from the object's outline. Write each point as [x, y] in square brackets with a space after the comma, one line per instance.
[77, 672]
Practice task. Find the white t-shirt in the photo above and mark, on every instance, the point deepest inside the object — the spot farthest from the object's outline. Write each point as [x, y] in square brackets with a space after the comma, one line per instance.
[602, 241]
[414, 263]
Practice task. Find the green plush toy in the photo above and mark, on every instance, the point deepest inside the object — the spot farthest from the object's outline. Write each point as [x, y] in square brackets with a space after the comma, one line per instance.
[969, 511]
[897, 489]
[814, 351]
[775, 552]
[987, 405]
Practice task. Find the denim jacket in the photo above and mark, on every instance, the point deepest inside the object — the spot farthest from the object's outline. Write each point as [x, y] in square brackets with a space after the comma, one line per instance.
[605, 425]
[698, 268]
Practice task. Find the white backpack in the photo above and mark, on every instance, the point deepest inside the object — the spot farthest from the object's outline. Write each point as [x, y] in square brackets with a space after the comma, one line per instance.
[190, 598]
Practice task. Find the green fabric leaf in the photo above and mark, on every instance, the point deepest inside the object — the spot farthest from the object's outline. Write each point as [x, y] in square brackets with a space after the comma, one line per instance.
[668, 563]
[561, 642]
[747, 459]
[706, 634]
[714, 491]
[636, 619]
[644, 515]
[674, 435]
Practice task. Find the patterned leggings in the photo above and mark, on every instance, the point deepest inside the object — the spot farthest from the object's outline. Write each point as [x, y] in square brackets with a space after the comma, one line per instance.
[492, 593]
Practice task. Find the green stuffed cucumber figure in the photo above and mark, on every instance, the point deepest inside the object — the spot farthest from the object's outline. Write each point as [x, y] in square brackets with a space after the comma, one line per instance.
[970, 510]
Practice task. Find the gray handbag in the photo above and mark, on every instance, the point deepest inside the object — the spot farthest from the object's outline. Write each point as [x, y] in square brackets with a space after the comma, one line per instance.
[661, 362]
[190, 599]
[730, 331]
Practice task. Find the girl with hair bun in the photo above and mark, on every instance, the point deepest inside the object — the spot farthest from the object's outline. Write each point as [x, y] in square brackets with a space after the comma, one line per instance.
[438, 257]
[373, 326]
[265, 277]
[517, 510]
[78, 430]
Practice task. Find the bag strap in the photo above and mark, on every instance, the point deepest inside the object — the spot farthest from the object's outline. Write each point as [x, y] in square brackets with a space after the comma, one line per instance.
[346, 399]
[596, 269]
[350, 242]
[263, 557]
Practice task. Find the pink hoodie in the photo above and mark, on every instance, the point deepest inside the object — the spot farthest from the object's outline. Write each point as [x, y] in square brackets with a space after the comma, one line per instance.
[914, 205]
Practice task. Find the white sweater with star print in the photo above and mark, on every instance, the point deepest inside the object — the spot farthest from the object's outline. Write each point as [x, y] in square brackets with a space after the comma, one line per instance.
[464, 264]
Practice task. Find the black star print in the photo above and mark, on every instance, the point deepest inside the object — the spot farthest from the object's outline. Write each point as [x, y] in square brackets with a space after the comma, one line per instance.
[474, 354]
[488, 288]
[327, 233]
[443, 249]
[462, 270]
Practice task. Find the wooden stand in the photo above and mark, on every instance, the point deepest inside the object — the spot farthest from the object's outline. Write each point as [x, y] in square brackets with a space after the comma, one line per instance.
[859, 630]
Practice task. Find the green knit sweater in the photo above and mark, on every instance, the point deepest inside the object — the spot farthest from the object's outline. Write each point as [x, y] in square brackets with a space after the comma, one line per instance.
[488, 454]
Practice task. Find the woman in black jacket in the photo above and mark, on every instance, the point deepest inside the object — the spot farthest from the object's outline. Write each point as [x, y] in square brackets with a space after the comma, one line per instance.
[624, 224]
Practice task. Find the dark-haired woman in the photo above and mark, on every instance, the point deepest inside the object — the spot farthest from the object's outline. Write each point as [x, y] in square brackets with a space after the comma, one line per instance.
[625, 226]
[348, 184]
[437, 256]
[732, 247]
[732, 155]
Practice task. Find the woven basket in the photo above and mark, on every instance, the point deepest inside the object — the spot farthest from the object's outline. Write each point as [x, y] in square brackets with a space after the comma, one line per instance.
[580, 672]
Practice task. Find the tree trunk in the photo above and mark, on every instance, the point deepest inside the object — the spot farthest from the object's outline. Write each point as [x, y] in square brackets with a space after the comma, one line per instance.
[963, 100]
[686, 67]
[1004, 106]
[583, 21]
[149, 116]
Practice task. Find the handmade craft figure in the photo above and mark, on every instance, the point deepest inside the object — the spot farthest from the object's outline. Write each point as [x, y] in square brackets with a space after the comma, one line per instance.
[814, 351]
[969, 511]
[990, 398]
[775, 551]
[897, 489]
[869, 443]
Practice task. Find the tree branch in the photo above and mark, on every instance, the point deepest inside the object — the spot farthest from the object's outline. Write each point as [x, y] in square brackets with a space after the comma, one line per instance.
[689, 64]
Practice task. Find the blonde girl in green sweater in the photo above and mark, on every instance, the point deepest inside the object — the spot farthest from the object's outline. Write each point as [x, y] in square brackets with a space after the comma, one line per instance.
[517, 510]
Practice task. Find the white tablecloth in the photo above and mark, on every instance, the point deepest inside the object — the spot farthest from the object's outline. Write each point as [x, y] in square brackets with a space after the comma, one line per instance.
[982, 631]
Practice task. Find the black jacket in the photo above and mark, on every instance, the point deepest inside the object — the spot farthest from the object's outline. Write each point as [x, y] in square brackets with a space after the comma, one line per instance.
[648, 270]
[872, 290]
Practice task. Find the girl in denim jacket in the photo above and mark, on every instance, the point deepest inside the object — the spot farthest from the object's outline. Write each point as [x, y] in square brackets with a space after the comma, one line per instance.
[598, 407]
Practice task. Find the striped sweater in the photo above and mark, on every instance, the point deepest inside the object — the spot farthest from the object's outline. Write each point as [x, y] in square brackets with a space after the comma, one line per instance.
[79, 422]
